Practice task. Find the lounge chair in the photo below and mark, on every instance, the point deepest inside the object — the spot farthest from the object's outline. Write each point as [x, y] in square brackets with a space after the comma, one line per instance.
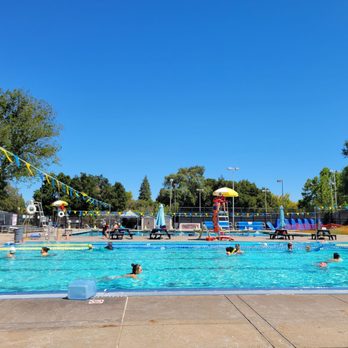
[270, 225]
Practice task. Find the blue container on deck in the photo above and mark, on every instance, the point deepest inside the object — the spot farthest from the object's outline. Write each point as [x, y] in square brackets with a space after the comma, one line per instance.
[82, 289]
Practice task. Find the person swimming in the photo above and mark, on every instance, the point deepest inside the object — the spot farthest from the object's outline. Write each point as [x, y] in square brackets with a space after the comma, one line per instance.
[336, 258]
[290, 246]
[136, 269]
[12, 253]
[44, 251]
[109, 246]
[234, 250]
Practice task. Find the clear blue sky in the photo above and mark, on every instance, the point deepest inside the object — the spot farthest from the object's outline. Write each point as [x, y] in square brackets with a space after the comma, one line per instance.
[146, 87]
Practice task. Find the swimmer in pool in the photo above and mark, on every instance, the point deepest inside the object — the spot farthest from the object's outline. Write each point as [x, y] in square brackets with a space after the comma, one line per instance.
[12, 253]
[235, 250]
[336, 258]
[109, 246]
[136, 269]
[44, 251]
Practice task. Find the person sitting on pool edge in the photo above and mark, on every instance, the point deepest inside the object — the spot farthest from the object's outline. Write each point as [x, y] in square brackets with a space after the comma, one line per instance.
[105, 231]
[234, 250]
[44, 251]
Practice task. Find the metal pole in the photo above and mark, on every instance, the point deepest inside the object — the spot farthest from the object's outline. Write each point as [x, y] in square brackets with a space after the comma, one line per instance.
[175, 198]
[233, 205]
[335, 187]
[332, 199]
[282, 181]
[265, 191]
[199, 199]
[170, 196]
[233, 169]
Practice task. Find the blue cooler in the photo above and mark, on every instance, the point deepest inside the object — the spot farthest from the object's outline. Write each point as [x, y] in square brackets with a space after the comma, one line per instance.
[82, 289]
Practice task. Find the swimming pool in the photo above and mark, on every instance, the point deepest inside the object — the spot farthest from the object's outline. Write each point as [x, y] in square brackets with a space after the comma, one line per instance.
[175, 266]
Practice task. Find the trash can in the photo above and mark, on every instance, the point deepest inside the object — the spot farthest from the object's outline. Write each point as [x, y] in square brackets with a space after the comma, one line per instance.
[18, 235]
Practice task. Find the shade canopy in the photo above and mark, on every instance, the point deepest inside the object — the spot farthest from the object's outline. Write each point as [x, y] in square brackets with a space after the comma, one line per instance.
[59, 203]
[129, 214]
[160, 220]
[226, 192]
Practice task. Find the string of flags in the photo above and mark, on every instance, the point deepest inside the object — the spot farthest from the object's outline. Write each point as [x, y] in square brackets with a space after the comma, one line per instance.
[54, 182]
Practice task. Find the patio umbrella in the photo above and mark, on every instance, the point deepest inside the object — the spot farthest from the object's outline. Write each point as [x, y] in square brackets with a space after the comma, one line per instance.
[160, 220]
[281, 217]
[59, 203]
[226, 192]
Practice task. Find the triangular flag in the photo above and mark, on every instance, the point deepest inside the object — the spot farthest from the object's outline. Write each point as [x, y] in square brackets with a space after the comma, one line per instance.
[28, 167]
[6, 154]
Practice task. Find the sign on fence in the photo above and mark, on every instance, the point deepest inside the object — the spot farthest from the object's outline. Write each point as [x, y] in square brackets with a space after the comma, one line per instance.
[186, 226]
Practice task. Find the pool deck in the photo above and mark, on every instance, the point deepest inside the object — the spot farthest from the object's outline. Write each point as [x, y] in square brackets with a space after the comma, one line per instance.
[178, 321]
[221, 320]
[301, 237]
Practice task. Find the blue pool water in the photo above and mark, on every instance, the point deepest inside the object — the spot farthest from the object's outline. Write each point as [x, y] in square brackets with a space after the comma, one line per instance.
[176, 266]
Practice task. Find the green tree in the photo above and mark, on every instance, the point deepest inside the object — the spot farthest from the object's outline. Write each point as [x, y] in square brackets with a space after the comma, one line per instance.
[310, 197]
[319, 191]
[27, 129]
[12, 202]
[47, 194]
[345, 149]
[145, 191]
[95, 186]
[118, 200]
[182, 187]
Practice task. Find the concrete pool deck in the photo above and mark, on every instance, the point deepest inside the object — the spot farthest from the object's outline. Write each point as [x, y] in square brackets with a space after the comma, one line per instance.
[301, 237]
[177, 321]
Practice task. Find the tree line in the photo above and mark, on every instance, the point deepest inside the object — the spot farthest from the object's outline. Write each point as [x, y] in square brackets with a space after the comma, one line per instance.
[28, 128]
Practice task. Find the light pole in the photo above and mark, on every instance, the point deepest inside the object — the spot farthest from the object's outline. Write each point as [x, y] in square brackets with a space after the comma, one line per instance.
[265, 191]
[334, 185]
[170, 194]
[234, 169]
[281, 180]
[199, 195]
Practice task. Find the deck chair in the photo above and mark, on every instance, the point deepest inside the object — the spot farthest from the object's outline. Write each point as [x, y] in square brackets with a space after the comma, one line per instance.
[270, 225]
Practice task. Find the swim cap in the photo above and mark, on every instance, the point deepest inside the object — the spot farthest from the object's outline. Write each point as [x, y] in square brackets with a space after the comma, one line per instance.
[90, 246]
[12, 250]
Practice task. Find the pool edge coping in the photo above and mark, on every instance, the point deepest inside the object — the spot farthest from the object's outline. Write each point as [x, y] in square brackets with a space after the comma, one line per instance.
[63, 295]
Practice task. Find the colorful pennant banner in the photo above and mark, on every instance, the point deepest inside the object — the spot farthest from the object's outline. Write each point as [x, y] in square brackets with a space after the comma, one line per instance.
[55, 183]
